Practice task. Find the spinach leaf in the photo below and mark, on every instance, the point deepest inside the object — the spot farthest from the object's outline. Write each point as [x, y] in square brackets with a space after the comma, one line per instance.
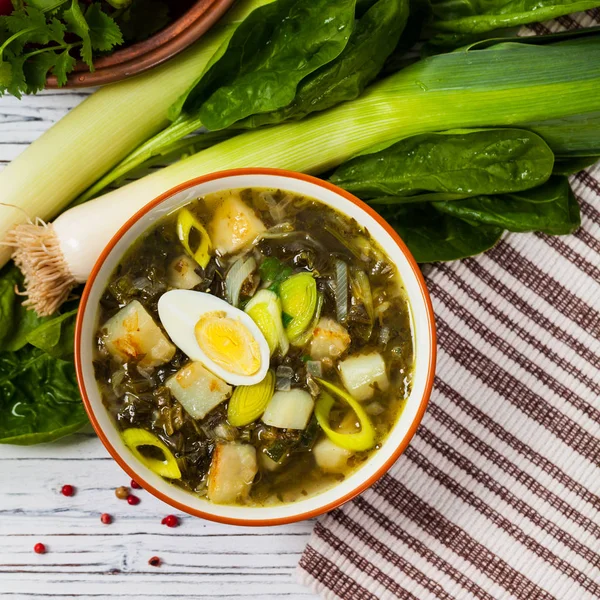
[469, 162]
[269, 53]
[55, 337]
[375, 36]
[425, 197]
[434, 236]
[558, 215]
[476, 16]
[16, 322]
[39, 399]
[551, 191]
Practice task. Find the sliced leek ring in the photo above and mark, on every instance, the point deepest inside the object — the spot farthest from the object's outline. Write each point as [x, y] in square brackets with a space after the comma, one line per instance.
[265, 310]
[248, 402]
[303, 339]
[298, 296]
[359, 441]
[186, 221]
[134, 438]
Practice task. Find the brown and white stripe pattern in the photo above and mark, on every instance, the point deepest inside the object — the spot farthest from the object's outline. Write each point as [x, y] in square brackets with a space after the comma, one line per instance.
[498, 495]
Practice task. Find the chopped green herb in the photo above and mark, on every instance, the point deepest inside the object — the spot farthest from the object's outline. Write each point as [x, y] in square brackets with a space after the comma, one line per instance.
[274, 271]
[41, 38]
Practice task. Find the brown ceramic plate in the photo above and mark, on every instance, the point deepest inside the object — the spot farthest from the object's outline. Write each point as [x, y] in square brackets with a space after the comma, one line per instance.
[140, 57]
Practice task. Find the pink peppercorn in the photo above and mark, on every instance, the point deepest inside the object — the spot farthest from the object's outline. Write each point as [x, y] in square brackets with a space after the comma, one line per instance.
[39, 548]
[170, 521]
[67, 490]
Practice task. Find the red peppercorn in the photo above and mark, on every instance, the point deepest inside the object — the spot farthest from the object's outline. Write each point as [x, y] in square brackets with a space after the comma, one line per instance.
[170, 521]
[106, 518]
[154, 561]
[133, 500]
[135, 485]
[67, 490]
[39, 548]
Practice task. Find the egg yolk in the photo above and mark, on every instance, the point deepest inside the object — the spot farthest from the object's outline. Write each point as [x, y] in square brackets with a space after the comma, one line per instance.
[229, 343]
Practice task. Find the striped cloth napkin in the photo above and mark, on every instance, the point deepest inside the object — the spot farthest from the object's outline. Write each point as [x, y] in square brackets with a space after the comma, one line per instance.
[498, 495]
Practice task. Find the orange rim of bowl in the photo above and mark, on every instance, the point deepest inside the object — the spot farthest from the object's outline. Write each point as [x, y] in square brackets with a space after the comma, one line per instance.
[359, 488]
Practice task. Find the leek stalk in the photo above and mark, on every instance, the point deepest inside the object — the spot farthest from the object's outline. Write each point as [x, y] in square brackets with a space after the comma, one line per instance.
[521, 85]
[518, 84]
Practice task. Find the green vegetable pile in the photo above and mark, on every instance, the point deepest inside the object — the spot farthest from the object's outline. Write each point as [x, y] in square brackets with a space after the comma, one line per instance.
[451, 195]
[452, 149]
[39, 398]
[39, 37]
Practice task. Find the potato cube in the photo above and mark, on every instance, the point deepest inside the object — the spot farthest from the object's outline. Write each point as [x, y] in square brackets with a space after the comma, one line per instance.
[330, 457]
[362, 372]
[197, 389]
[234, 224]
[330, 339]
[289, 410]
[232, 471]
[132, 335]
[182, 273]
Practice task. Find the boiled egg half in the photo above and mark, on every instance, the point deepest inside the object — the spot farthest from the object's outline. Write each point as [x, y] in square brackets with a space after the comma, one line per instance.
[223, 338]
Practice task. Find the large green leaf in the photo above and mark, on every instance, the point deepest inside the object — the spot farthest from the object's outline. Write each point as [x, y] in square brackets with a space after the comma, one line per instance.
[16, 322]
[557, 215]
[465, 163]
[55, 337]
[375, 36]
[269, 53]
[433, 236]
[39, 399]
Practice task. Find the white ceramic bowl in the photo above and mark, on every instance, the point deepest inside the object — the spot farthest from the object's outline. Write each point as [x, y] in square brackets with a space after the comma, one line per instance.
[423, 338]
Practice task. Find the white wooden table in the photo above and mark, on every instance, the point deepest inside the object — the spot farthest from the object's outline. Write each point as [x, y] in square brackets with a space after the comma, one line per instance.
[86, 559]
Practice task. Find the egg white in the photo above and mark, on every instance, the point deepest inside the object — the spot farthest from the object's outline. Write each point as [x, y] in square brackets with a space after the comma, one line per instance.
[180, 310]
